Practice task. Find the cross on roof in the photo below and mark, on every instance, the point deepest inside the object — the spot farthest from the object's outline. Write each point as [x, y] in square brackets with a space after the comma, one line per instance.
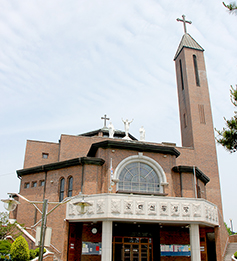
[105, 119]
[184, 21]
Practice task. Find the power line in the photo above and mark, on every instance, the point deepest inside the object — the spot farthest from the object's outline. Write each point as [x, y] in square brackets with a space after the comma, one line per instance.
[6, 174]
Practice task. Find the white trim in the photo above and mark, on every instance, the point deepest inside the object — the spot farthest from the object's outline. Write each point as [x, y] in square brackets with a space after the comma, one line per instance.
[143, 159]
[143, 208]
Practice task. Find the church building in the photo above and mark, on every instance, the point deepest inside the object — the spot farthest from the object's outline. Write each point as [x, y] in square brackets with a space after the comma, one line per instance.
[124, 199]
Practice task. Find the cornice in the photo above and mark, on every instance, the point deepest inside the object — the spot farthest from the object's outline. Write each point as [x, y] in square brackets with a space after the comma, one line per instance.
[61, 165]
[132, 145]
[189, 169]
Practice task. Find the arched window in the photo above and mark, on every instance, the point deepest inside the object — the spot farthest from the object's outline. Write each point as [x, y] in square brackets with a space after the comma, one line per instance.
[196, 70]
[138, 177]
[61, 192]
[140, 174]
[70, 182]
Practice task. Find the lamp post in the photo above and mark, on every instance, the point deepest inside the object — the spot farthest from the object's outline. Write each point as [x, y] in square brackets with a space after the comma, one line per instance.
[43, 228]
[10, 204]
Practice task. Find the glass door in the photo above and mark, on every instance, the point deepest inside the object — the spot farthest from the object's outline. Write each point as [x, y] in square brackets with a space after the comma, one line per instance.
[132, 249]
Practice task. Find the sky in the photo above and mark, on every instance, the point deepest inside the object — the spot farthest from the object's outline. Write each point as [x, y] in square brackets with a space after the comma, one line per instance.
[64, 64]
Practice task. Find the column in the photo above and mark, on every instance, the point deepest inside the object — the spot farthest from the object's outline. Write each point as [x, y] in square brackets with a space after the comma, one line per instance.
[195, 242]
[106, 254]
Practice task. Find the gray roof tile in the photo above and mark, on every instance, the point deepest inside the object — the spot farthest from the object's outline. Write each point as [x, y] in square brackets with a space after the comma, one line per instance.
[189, 42]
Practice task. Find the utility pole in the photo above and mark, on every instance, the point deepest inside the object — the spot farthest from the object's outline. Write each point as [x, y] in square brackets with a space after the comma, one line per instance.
[43, 229]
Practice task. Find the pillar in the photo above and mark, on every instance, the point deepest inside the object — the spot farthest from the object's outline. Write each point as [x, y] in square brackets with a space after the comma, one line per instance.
[106, 254]
[195, 242]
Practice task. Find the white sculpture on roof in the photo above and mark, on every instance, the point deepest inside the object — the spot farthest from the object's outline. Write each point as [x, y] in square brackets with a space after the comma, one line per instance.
[142, 134]
[126, 127]
[111, 130]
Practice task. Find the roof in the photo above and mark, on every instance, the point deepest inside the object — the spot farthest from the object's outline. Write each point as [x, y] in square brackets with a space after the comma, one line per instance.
[188, 42]
[117, 134]
[189, 169]
[132, 145]
[61, 165]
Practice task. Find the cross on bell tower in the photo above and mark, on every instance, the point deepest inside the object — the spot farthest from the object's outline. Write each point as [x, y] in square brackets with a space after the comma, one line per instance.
[184, 21]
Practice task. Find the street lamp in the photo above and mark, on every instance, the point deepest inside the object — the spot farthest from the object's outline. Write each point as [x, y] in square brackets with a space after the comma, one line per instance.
[10, 204]
[83, 205]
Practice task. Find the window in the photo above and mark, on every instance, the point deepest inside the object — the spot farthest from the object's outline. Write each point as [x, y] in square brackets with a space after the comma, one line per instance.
[196, 70]
[70, 181]
[45, 155]
[61, 192]
[181, 74]
[27, 185]
[34, 184]
[140, 174]
[42, 182]
[138, 177]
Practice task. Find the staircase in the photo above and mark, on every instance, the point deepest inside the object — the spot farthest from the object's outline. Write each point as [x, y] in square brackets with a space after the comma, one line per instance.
[231, 249]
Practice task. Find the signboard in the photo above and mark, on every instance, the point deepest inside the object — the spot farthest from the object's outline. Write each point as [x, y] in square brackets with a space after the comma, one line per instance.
[89, 248]
[48, 234]
[175, 250]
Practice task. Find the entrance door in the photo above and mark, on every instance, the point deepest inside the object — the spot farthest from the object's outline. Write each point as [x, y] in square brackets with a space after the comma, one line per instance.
[132, 249]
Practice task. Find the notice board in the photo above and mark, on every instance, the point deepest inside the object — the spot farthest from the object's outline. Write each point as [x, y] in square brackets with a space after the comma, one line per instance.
[175, 250]
[89, 248]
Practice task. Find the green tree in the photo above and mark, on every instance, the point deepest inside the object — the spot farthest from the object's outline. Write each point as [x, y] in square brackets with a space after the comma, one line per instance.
[6, 228]
[228, 229]
[5, 247]
[20, 250]
[232, 6]
[228, 136]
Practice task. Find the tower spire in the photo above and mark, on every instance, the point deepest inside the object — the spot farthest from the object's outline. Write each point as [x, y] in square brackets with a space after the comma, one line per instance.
[184, 21]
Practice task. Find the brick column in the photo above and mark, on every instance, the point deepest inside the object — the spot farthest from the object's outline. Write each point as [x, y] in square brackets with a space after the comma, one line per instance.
[195, 242]
[106, 254]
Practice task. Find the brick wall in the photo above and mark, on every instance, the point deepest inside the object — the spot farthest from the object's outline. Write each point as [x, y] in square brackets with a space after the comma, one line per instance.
[34, 150]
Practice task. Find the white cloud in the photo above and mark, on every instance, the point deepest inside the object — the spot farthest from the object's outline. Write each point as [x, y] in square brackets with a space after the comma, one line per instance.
[64, 64]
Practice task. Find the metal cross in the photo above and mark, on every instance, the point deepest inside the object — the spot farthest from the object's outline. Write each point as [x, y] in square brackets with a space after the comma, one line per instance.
[184, 21]
[105, 119]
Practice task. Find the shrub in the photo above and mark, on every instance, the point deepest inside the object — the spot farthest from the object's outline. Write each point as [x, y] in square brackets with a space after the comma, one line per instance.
[5, 247]
[37, 250]
[20, 250]
[235, 254]
[32, 254]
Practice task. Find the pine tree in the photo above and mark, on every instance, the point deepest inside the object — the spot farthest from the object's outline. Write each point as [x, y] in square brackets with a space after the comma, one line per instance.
[232, 6]
[228, 136]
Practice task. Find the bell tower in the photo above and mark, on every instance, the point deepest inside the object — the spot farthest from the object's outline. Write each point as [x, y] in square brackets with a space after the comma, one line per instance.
[196, 123]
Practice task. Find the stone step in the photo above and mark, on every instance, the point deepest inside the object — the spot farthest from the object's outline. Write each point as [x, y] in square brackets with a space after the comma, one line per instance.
[231, 249]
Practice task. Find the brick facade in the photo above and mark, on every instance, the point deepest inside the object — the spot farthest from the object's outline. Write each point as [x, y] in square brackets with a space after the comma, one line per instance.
[191, 171]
